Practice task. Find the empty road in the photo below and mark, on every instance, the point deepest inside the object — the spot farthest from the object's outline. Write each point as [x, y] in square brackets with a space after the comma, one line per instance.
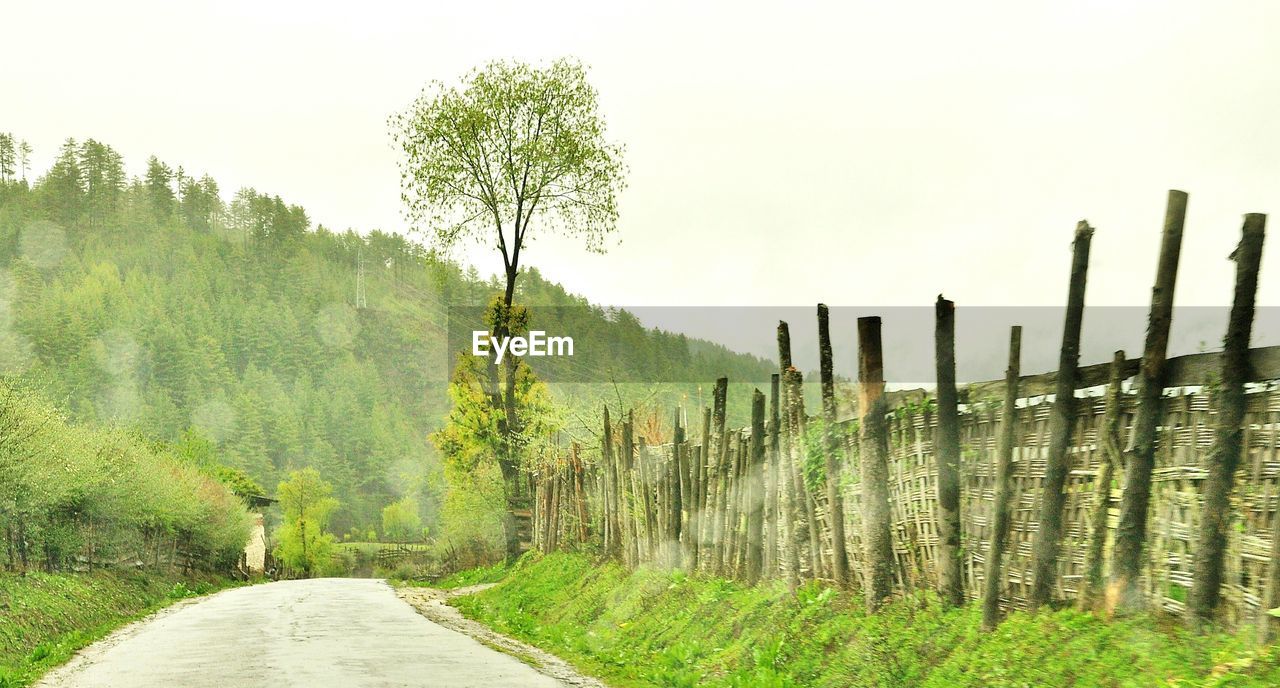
[339, 632]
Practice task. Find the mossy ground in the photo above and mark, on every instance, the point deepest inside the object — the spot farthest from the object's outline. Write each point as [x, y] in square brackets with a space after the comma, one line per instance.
[45, 618]
[658, 628]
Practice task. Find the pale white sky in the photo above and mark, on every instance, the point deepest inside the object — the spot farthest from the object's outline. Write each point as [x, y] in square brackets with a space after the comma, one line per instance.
[780, 153]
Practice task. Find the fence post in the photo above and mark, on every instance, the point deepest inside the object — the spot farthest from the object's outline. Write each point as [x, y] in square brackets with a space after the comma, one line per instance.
[755, 489]
[715, 522]
[771, 482]
[1061, 422]
[613, 536]
[832, 451]
[704, 457]
[877, 536]
[806, 507]
[683, 492]
[947, 455]
[633, 492]
[1108, 462]
[1131, 534]
[1003, 488]
[1225, 455]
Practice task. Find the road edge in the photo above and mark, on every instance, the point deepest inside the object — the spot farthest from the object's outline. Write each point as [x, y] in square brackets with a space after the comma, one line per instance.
[433, 604]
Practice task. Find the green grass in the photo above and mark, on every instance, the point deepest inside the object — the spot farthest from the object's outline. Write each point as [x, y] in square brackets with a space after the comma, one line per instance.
[45, 619]
[651, 628]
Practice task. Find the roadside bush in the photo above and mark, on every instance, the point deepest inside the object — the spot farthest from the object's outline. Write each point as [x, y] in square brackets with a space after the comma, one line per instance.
[75, 497]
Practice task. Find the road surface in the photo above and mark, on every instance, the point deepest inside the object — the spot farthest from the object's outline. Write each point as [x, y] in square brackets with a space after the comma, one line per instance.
[339, 632]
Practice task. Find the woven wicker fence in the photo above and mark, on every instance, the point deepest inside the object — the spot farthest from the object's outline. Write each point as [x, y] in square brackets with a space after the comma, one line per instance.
[573, 500]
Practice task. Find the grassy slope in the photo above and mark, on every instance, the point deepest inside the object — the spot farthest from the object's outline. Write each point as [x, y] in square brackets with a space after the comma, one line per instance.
[652, 628]
[45, 618]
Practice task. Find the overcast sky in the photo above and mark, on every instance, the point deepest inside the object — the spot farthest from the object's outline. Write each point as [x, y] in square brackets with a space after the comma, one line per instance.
[781, 154]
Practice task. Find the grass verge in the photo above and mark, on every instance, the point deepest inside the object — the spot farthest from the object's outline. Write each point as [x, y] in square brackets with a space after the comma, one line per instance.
[45, 619]
[656, 628]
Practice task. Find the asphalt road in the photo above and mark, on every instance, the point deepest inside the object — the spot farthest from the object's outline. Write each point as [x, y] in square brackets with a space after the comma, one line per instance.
[339, 632]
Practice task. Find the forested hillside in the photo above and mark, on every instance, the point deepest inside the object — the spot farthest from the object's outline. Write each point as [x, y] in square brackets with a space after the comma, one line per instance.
[161, 304]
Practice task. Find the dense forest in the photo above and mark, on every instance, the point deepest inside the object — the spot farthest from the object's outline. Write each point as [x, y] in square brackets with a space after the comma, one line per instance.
[159, 305]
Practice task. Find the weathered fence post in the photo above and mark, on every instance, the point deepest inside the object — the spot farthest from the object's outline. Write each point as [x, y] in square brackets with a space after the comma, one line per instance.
[1126, 562]
[1003, 489]
[579, 495]
[799, 457]
[755, 490]
[788, 506]
[613, 488]
[947, 454]
[1061, 423]
[715, 523]
[1108, 462]
[832, 450]
[633, 491]
[704, 456]
[1225, 455]
[877, 536]
[683, 511]
[771, 482]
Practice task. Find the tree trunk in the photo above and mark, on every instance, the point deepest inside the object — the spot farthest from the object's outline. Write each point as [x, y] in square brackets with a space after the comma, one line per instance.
[1225, 456]
[1061, 423]
[1123, 591]
[1003, 490]
[877, 533]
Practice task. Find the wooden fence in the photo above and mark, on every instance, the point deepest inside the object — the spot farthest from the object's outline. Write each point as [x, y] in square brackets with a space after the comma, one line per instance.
[752, 503]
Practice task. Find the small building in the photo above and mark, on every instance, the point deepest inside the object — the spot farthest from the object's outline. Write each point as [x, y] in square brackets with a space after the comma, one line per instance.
[254, 560]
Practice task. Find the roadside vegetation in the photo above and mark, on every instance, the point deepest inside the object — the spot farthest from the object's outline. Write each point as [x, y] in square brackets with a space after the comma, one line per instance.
[46, 618]
[663, 628]
[76, 497]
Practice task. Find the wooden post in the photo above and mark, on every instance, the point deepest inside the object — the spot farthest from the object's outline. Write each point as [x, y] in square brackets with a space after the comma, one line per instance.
[644, 469]
[633, 489]
[812, 543]
[1003, 489]
[684, 491]
[755, 492]
[613, 488]
[1108, 462]
[704, 456]
[873, 431]
[947, 455]
[1225, 456]
[1267, 624]
[733, 507]
[771, 481]
[720, 480]
[832, 452]
[1123, 592]
[579, 495]
[1062, 421]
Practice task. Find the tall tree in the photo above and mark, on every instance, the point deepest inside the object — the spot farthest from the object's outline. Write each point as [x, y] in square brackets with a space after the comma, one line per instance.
[24, 158]
[510, 148]
[8, 157]
[158, 183]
